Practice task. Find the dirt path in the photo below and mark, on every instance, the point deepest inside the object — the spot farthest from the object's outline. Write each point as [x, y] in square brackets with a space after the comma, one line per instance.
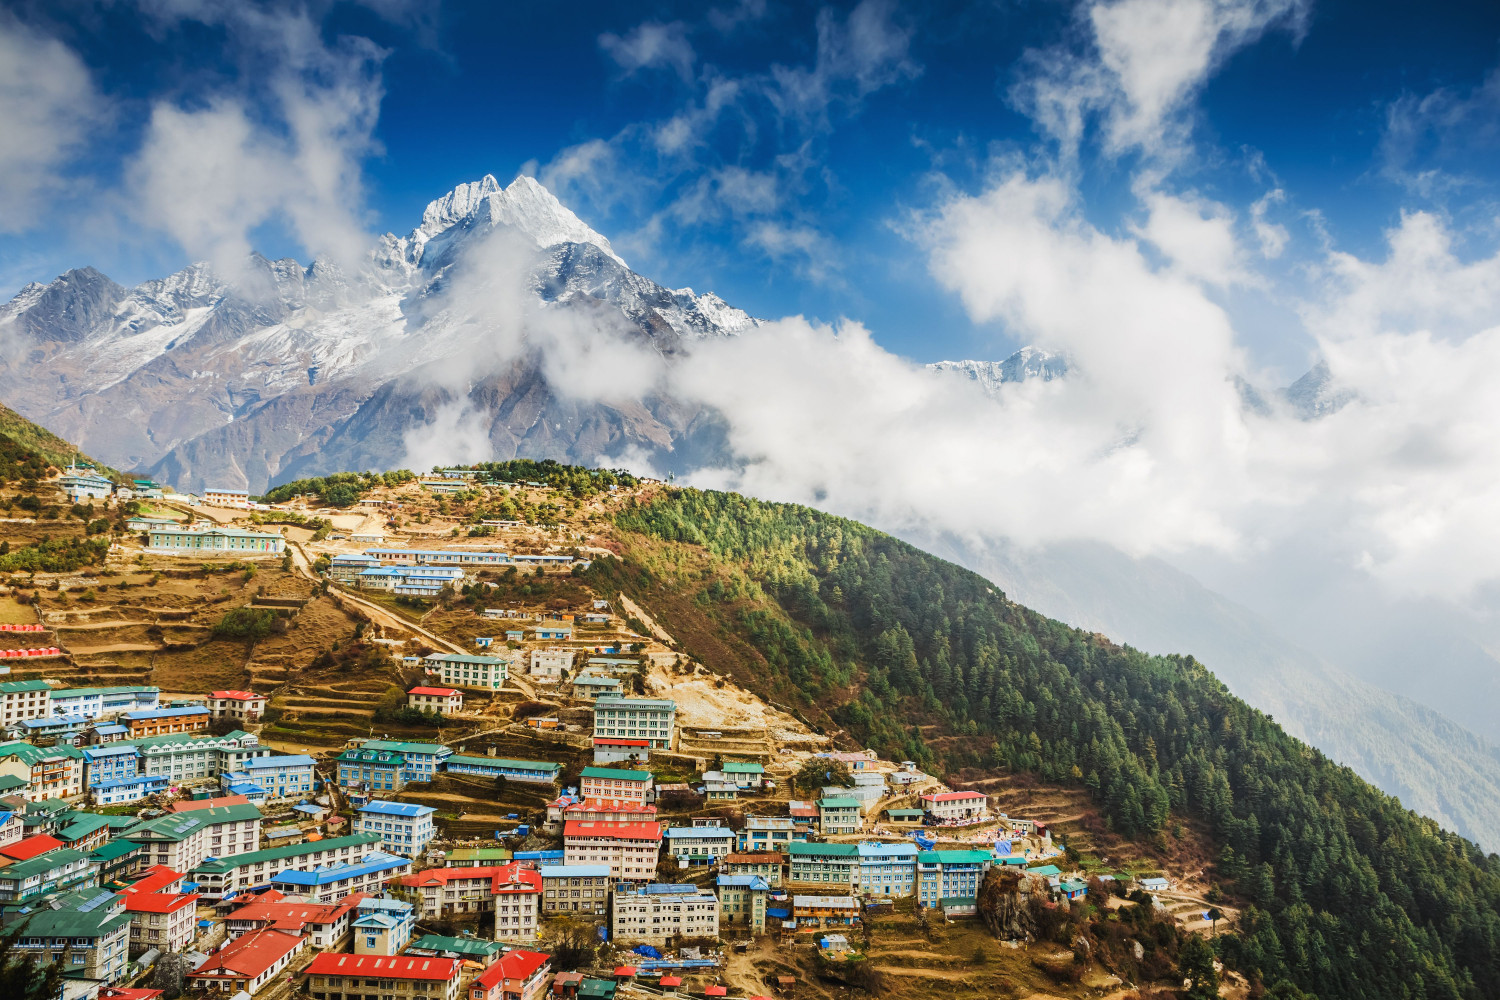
[117, 647]
[906, 970]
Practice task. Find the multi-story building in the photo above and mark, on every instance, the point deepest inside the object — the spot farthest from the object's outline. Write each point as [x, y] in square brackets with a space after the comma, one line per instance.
[182, 841]
[370, 874]
[382, 926]
[518, 975]
[487, 673]
[68, 729]
[439, 557]
[422, 760]
[283, 776]
[327, 927]
[163, 920]
[609, 750]
[518, 904]
[698, 845]
[235, 874]
[402, 977]
[949, 874]
[576, 889]
[52, 871]
[81, 482]
[24, 700]
[49, 772]
[104, 702]
[742, 902]
[637, 719]
[644, 916]
[831, 865]
[550, 666]
[887, 870]
[184, 758]
[86, 933]
[363, 769]
[614, 786]
[109, 762]
[242, 706]
[247, 963]
[768, 833]
[12, 828]
[438, 700]
[956, 805]
[629, 849]
[404, 827]
[765, 864]
[466, 948]
[190, 542]
[819, 912]
[839, 815]
[165, 721]
[748, 775]
[440, 891]
[347, 566]
[224, 497]
[541, 772]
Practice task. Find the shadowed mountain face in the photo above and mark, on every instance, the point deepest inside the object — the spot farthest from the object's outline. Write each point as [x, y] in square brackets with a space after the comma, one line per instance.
[293, 370]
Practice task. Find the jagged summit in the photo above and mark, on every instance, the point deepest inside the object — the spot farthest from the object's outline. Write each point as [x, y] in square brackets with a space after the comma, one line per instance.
[526, 205]
[1027, 363]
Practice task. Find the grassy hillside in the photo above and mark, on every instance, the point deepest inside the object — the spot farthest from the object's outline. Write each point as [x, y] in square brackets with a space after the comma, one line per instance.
[34, 438]
[1347, 894]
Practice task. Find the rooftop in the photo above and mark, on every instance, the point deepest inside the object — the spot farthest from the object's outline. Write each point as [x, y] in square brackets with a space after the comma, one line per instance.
[249, 955]
[397, 967]
[616, 774]
[385, 808]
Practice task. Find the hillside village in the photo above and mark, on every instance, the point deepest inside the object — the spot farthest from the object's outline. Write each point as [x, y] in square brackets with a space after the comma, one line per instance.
[401, 745]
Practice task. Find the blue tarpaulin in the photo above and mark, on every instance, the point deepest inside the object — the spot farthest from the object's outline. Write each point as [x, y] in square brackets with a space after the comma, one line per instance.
[647, 950]
[778, 913]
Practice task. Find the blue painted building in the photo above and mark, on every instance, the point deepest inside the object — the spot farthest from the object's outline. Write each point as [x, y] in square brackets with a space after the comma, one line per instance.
[404, 827]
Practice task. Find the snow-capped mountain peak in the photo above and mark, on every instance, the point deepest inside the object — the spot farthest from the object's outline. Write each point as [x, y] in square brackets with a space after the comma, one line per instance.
[1025, 364]
[526, 205]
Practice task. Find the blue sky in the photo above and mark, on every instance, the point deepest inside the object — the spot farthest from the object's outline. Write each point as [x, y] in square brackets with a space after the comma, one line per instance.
[845, 126]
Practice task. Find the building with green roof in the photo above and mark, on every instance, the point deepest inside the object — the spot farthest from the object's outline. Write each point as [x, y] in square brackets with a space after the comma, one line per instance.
[839, 815]
[822, 864]
[538, 771]
[115, 859]
[467, 948]
[477, 857]
[419, 761]
[50, 772]
[221, 876]
[86, 932]
[52, 871]
[182, 841]
[950, 874]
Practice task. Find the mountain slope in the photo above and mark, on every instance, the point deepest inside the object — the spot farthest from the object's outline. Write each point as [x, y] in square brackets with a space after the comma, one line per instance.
[1349, 894]
[277, 375]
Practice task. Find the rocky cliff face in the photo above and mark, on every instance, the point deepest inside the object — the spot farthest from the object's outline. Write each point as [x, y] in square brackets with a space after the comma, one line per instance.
[295, 370]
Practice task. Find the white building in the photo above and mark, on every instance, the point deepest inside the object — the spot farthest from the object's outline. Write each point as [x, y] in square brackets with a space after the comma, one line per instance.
[441, 701]
[550, 665]
[404, 827]
[464, 671]
[637, 719]
[226, 498]
[956, 805]
[630, 849]
[243, 706]
[25, 700]
[699, 845]
[654, 917]
[105, 702]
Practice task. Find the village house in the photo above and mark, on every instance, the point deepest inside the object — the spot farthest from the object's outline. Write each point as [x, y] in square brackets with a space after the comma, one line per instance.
[518, 903]
[49, 772]
[540, 772]
[25, 700]
[629, 849]
[51, 871]
[222, 876]
[768, 833]
[823, 864]
[608, 750]
[765, 864]
[839, 815]
[219, 497]
[247, 963]
[86, 933]
[163, 919]
[648, 915]
[821, 912]
[467, 948]
[950, 874]
[242, 706]
[955, 806]
[888, 870]
[550, 666]
[576, 889]
[637, 718]
[467, 889]
[742, 901]
[104, 702]
[164, 721]
[182, 841]
[184, 757]
[327, 927]
[404, 827]
[382, 926]
[188, 542]
[404, 977]
[518, 975]
[437, 700]
[464, 671]
[420, 760]
[281, 776]
[698, 845]
[370, 874]
[613, 786]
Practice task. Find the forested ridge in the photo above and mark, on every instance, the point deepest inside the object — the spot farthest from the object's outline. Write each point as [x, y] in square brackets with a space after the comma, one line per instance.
[1348, 894]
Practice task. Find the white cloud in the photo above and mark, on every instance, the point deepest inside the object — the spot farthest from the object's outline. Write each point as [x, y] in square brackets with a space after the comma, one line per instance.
[1196, 235]
[652, 45]
[286, 143]
[857, 55]
[1137, 66]
[47, 105]
[1426, 137]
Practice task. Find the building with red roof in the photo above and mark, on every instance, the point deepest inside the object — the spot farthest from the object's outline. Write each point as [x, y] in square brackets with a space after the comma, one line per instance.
[327, 925]
[610, 812]
[442, 701]
[30, 847]
[630, 849]
[121, 993]
[518, 975]
[157, 878]
[513, 892]
[164, 920]
[409, 976]
[244, 706]
[248, 962]
[956, 805]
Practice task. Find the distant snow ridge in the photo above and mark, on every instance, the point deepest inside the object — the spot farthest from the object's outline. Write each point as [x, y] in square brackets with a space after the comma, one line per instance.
[1027, 363]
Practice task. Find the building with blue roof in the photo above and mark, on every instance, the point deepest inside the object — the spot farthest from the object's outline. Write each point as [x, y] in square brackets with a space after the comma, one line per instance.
[949, 874]
[383, 926]
[404, 827]
[64, 729]
[283, 776]
[693, 846]
[105, 702]
[742, 901]
[110, 762]
[371, 874]
[123, 791]
[887, 869]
